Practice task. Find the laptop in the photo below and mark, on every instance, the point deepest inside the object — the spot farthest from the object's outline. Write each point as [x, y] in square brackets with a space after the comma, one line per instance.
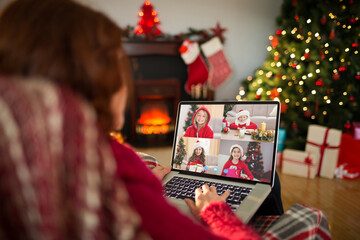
[235, 149]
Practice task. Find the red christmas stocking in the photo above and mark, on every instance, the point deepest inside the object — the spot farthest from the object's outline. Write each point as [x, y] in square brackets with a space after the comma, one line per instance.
[219, 66]
[198, 71]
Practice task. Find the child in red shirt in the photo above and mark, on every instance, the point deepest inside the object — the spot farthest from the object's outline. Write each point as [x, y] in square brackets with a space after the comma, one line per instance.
[243, 121]
[234, 166]
[197, 160]
[200, 127]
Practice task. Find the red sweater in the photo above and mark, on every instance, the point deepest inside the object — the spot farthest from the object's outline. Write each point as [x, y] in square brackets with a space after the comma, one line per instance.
[239, 166]
[163, 221]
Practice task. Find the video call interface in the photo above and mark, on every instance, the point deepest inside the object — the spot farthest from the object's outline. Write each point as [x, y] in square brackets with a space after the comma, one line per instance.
[229, 140]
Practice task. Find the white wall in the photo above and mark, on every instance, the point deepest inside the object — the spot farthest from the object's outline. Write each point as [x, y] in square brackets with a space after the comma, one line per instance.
[249, 24]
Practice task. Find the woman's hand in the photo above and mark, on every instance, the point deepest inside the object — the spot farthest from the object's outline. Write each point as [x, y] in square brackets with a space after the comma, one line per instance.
[160, 171]
[203, 197]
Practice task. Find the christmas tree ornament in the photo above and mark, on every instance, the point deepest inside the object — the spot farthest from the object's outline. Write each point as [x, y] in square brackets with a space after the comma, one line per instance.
[294, 3]
[351, 98]
[276, 58]
[332, 34]
[352, 21]
[357, 76]
[355, 44]
[323, 20]
[307, 55]
[336, 76]
[198, 71]
[296, 17]
[220, 69]
[274, 41]
[342, 68]
[278, 32]
[319, 82]
[147, 25]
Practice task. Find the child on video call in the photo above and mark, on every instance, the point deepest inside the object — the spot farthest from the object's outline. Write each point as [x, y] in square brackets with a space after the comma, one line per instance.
[197, 160]
[242, 120]
[235, 164]
[199, 127]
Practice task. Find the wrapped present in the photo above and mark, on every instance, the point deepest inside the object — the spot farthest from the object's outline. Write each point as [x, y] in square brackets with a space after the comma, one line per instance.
[325, 142]
[196, 167]
[356, 126]
[347, 171]
[299, 163]
[347, 153]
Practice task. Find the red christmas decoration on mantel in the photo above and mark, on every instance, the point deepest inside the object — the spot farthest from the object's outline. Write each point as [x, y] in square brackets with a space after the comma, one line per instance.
[218, 31]
[148, 22]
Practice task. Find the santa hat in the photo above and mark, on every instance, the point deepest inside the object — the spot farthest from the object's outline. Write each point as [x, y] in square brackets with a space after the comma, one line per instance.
[198, 144]
[242, 153]
[243, 112]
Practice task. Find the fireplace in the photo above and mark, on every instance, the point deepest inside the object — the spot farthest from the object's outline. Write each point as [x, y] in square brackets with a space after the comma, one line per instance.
[153, 113]
[159, 77]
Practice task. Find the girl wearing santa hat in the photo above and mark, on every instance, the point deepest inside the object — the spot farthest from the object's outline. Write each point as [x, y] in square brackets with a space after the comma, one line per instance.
[200, 127]
[197, 160]
[235, 165]
[243, 121]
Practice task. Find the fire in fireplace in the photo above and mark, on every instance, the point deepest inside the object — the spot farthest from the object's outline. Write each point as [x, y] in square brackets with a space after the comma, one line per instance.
[154, 119]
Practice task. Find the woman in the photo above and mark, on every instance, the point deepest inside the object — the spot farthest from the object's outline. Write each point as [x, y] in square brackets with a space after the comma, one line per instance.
[80, 49]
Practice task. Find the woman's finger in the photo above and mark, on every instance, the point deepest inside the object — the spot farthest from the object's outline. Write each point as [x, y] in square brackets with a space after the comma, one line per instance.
[225, 195]
[205, 188]
[213, 189]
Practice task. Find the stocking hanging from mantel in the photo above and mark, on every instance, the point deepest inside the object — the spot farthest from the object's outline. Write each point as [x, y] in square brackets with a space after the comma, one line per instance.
[198, 71]
[220, 69]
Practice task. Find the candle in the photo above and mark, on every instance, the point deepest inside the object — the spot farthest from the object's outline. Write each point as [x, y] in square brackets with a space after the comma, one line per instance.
[263, 127]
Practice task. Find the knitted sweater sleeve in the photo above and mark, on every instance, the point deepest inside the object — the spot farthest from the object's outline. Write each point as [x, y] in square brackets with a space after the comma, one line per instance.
[223, 222]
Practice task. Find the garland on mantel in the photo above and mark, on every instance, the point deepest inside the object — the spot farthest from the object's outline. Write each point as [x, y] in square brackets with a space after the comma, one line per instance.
[200, 35]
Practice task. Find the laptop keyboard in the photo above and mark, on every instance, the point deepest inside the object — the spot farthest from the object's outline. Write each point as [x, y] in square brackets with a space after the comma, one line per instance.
[181, 188]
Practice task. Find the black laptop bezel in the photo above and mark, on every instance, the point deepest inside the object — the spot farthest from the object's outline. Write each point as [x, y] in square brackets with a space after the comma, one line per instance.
[212, 176]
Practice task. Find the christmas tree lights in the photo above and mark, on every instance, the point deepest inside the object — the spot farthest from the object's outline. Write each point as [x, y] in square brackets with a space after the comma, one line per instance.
[312, 68]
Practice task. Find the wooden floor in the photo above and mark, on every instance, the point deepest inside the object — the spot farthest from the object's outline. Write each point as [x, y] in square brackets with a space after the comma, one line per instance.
[339, 199]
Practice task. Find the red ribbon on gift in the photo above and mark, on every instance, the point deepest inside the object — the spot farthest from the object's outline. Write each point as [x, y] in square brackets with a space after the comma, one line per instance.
[323, 146]
[308, 162]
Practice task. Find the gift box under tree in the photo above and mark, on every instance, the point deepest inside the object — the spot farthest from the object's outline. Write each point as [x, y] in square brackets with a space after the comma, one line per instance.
[299, 163]
[325, 142]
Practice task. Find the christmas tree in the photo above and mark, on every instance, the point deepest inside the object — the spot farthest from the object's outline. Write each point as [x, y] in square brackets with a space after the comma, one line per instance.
[180, 152]
[147, 25]
[254, 159]
[313, 67]
[190, 114]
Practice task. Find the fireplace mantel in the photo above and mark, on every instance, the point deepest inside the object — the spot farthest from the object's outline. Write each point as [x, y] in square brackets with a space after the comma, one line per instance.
[143, 48]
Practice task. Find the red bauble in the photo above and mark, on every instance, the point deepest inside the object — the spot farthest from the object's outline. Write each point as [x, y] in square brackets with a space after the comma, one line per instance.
[278, 32]
[257, 96]
[294, 126]
[294, 65]
[357, 77]
[307, 114]
[296, 17]
[274, 42]
[352, 20]
[323, 20]
[352, 98]
[284, 107]
[332, 34]
[355, 45]
[274, 93]
[276, 58]
[319, 82]
[342, 69]
[336, 76]
[306, 55]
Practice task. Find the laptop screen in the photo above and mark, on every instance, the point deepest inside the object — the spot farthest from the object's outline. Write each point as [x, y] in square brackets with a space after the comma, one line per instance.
[228, 140]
